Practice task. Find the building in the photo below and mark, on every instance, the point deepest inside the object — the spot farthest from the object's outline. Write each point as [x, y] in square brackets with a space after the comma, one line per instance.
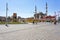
[19, 19]
[42, 17]
[50, 18]
[14, 17]
[30, 19]
[39, 15]
[2, 19]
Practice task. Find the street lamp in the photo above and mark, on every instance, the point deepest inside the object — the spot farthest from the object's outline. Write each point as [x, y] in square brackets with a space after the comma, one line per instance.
[6, 13]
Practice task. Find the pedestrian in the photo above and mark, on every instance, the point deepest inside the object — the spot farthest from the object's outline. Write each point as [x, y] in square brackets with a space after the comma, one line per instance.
[6, 25]
[33, 22]
[55, 22]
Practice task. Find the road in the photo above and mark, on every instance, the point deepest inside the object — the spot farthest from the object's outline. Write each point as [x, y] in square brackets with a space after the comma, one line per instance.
[40, 31]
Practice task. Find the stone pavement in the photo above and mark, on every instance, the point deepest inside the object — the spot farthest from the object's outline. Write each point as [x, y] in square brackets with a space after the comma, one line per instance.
[40, 31]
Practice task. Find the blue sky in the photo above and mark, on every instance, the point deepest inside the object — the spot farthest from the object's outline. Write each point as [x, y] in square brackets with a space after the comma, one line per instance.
[25, 8]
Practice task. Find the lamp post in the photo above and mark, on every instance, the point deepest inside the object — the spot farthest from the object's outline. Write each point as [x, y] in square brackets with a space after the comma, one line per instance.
[6, 13]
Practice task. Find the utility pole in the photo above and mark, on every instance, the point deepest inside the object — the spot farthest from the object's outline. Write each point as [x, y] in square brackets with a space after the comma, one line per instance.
[6, 13]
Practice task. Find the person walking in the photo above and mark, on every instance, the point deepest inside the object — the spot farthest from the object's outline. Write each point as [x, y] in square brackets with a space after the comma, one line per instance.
[55, 22]
[33, 22]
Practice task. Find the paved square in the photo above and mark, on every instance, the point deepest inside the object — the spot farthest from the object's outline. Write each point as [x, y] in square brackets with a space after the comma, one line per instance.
[40, 31]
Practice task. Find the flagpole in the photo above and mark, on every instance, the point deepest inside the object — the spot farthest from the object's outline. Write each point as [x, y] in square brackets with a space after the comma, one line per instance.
[6, 13]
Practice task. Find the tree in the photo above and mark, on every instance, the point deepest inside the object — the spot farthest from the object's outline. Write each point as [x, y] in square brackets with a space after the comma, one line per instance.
[9, 19]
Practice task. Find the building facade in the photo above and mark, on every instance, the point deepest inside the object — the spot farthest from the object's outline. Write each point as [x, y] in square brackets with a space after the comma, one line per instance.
[43, 17]
[14, 17]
